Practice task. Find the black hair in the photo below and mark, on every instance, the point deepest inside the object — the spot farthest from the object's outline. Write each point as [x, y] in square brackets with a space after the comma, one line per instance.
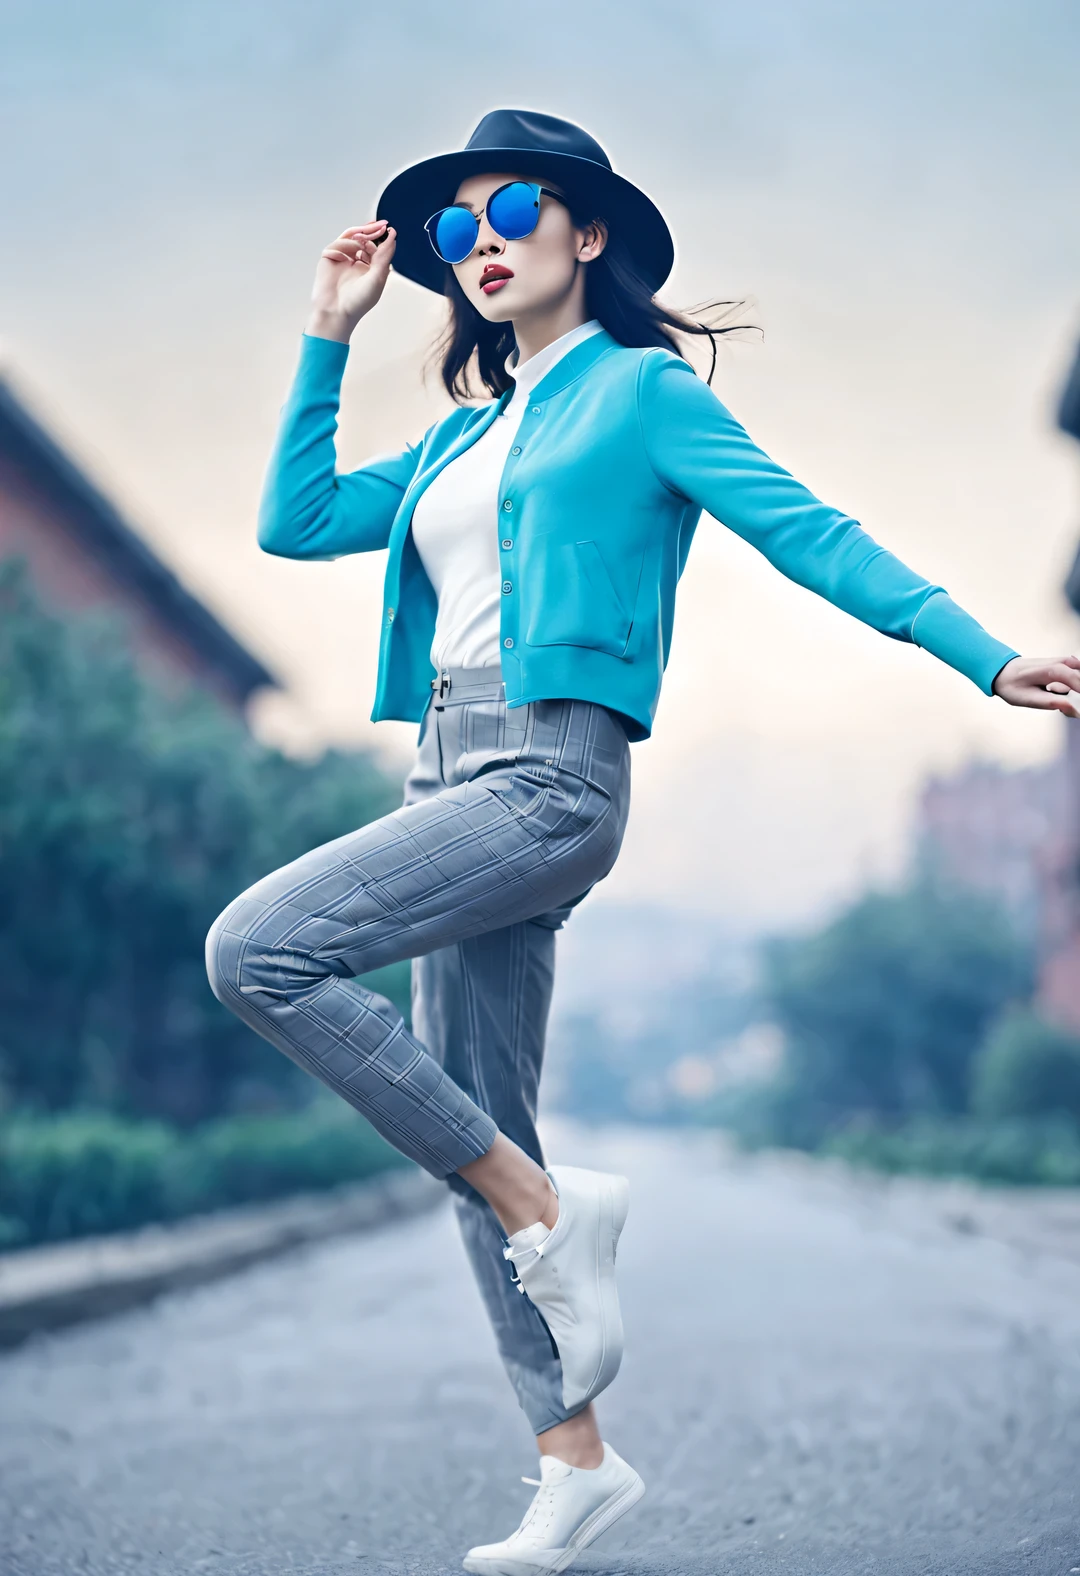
[615, 294]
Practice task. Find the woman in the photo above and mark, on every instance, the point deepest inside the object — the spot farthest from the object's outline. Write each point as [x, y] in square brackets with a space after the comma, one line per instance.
[535, 542]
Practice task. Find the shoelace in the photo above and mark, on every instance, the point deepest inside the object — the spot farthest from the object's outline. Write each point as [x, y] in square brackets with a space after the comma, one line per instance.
[513, 1254]
[535, 1523]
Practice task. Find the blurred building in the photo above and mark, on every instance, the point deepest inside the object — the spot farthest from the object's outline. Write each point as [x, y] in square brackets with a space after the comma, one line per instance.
[1059, 977]
[990, 829]
[82, 555]
[1015, 835]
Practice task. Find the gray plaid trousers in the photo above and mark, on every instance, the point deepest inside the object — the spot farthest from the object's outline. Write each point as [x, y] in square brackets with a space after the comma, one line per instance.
[510, 817]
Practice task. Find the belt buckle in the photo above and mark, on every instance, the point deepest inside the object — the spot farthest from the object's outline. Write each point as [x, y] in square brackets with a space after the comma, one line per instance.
[440, 688]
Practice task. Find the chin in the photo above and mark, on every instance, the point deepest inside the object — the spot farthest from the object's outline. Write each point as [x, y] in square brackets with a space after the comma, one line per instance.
[495, 310]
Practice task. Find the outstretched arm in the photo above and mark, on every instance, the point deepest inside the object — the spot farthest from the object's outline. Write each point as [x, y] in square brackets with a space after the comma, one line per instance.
[697, 448]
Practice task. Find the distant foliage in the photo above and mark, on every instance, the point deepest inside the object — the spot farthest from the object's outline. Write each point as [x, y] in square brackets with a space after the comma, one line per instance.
[883, 1010]
[1027, 1068]
[1035, 1152]
[909, 1047]
[128, 819]
[82, 1173]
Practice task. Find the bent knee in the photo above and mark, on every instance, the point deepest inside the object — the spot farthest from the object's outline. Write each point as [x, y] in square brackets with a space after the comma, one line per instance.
[249, 957]
[241, 960]
[224, 957]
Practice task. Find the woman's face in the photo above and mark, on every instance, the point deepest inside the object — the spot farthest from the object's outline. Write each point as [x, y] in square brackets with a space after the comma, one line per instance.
[536, 273]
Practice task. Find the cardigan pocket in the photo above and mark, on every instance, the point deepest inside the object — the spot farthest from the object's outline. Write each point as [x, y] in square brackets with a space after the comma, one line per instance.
[576, 603]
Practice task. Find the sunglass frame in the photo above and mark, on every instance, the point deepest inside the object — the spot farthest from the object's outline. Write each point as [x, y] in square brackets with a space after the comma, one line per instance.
[540, 191]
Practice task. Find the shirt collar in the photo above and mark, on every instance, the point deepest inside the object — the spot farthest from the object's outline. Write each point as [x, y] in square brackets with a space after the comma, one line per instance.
[528, 374]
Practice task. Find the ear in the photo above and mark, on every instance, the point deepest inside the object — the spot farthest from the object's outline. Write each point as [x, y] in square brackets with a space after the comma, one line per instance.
[594, 239]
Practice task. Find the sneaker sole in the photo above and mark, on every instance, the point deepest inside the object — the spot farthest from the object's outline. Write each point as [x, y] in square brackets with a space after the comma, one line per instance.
[603, 1517]
[610, 1220]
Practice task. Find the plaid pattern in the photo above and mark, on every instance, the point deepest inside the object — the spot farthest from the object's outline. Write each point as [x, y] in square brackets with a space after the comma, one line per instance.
[509, 818]
[480, 1005]
[509, 815]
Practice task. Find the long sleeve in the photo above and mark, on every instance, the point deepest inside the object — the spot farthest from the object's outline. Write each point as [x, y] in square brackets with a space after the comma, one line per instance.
[307, 510]
[697, 448]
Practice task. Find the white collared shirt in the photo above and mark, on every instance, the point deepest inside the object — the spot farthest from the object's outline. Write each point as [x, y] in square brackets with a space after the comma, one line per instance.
[456, 525]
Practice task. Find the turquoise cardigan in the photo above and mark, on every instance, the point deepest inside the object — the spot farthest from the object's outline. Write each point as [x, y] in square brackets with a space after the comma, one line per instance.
[617, 455]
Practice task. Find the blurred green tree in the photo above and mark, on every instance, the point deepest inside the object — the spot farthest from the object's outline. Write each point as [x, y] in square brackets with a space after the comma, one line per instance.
[128, 819]
[883, 1009]
[1026, 1068]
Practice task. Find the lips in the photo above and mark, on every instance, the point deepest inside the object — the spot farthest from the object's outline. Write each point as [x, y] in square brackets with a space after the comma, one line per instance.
[494, 277]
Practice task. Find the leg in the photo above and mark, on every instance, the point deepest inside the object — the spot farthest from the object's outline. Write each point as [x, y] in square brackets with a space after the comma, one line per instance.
[526, 836]
[481, 1009]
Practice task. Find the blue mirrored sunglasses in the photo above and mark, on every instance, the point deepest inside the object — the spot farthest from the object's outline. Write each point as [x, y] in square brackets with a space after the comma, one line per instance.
[512, 212]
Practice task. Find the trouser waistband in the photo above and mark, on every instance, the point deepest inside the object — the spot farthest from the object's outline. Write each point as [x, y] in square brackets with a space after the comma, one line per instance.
[455, 685]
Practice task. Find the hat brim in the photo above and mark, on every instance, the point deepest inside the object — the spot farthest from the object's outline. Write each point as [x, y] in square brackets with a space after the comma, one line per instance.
[418, 192]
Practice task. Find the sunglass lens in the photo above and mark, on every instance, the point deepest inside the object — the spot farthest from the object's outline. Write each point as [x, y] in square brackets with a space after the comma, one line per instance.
[453, 234]
[514, 210]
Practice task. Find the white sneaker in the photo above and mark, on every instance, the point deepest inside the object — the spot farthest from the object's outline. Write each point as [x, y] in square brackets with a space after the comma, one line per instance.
[570, 1276]
[572, 1507]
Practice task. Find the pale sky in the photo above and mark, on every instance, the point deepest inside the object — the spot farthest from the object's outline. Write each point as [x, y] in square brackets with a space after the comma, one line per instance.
[894, 189]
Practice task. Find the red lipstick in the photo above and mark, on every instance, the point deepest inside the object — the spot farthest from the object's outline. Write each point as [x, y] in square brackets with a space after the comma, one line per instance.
[494, 277]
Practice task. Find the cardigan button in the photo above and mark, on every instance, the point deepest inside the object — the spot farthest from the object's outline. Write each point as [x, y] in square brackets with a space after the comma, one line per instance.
[507, 587]
[507, 504]
[536, 410]
[516, 449]
[507, 542]
[389, 615]
[508, 642]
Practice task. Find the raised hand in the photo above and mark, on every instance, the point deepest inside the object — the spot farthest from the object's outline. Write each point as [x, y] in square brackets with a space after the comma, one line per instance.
[349, 279]
[1047, 683]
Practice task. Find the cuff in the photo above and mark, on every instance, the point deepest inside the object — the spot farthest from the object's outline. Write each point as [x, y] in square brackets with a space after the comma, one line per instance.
[953, 636]
[323, 355]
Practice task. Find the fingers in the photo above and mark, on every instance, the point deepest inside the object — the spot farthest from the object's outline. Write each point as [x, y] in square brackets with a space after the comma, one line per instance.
[346, 250]
[382, 247]
[1065, 672]
[359, 244]
[1052, 697]
[1039, 682]
[1037, 699]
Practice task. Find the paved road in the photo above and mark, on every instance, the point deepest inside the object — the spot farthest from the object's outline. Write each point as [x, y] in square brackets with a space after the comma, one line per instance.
[815, 1384]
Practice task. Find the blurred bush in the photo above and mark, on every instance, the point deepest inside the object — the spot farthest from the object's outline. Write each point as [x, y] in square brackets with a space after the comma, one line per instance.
[128, 819]
[1027, 1068]
[80, 1173]
[1035, 1152]
[883, 1011]
[910, 1047]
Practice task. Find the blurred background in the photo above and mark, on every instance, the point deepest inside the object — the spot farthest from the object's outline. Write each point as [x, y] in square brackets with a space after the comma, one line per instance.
[846, 914]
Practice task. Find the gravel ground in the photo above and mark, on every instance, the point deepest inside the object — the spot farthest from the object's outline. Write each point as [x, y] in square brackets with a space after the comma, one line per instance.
[824, 1375]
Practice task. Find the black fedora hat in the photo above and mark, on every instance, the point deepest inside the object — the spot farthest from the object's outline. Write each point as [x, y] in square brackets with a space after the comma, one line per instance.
[523, 142]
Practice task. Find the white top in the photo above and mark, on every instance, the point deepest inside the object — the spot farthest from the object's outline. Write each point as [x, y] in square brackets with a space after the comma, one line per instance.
[456, 525]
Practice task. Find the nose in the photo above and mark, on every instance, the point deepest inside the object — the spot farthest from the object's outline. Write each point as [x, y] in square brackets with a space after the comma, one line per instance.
[488, 244]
